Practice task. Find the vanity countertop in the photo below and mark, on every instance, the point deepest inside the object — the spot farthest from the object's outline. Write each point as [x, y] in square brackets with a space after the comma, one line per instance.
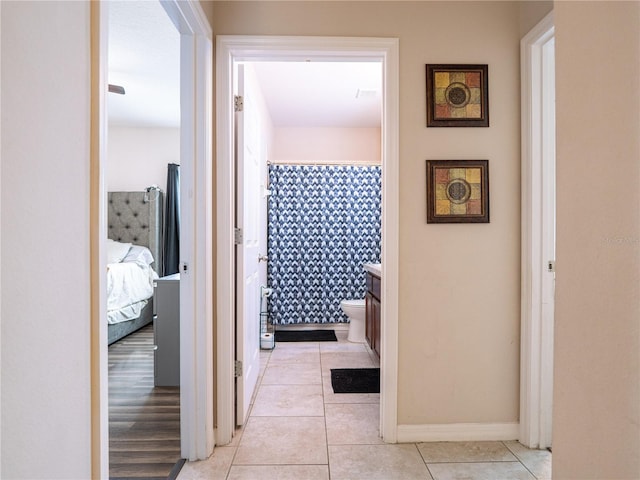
[375, 268]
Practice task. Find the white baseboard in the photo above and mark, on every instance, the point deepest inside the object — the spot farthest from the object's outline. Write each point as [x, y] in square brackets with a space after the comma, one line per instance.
[458, 432]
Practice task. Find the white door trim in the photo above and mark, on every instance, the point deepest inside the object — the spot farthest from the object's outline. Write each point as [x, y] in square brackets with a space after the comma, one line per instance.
[536, 339]
[98, 238]
[231, 49]
[196, 204]
[196, 329]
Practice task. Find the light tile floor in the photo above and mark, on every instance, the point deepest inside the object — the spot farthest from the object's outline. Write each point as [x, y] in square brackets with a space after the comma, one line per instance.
[299, 429]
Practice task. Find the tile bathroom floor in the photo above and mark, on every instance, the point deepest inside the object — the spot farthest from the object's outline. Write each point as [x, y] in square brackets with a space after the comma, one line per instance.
[299, 429]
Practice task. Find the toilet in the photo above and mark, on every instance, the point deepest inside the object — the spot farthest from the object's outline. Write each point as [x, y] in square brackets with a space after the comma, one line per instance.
[355, 310]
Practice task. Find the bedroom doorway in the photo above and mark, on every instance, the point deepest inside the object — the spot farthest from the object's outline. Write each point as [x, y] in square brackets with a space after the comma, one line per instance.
[143, 216]
[194, 44]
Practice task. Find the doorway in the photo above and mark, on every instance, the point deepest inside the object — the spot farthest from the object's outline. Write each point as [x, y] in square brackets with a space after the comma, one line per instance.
[231, 50]
[538, 234]
[143, 108]
[317, 124]
[143, 147]
[196, 366]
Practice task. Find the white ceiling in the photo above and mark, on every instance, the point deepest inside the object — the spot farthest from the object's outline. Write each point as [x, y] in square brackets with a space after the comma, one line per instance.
[322, 94]
[144, 58]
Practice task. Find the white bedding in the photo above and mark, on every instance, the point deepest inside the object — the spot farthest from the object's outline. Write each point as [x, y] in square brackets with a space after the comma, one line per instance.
[129, 286]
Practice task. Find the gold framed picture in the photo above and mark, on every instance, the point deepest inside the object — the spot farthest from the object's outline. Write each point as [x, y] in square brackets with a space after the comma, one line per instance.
[457, 191]
[457, 96]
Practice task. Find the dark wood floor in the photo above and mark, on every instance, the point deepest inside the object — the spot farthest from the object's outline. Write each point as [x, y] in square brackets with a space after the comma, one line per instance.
[144, 421]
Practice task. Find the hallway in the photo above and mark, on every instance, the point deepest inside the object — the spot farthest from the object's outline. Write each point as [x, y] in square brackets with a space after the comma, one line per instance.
[299, 429]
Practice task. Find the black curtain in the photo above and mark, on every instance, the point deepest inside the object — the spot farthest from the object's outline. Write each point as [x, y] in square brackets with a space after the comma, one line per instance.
[172, 221]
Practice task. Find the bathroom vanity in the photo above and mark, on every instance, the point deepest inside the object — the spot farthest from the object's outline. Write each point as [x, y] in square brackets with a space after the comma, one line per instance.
[373, 311]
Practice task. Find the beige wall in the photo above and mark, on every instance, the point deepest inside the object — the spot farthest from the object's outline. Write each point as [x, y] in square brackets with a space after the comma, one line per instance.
[327, 145]
[531, 12]
[45, 414]
[45, 408]
[459, 284]
[597, 355]
[138, 157]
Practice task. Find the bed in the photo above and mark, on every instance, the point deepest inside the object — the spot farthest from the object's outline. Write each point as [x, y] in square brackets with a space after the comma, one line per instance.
[134, 249]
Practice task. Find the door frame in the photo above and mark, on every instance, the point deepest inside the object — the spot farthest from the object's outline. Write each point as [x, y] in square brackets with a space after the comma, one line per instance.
[536, 363]
[196, 217]
[230, 49]
[196, 328]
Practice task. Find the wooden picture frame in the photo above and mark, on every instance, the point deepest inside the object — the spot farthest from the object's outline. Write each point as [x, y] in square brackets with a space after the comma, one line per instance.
[457, 95]
[457, 191]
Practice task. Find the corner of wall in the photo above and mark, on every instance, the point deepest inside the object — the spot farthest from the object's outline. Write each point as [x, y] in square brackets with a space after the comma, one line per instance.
[531, 12]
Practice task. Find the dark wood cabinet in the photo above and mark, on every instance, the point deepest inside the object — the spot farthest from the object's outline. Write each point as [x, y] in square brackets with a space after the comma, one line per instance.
[372, 323]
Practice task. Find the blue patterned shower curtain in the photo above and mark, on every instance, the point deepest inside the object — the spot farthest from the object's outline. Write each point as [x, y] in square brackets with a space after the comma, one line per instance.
[324, 222]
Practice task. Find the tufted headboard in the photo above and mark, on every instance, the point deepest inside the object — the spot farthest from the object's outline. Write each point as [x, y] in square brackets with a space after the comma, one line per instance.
[136, 217]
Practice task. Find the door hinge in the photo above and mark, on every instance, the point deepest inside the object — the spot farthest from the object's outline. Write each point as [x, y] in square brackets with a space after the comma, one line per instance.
[237, 368]
[238, 103]
[238, 236]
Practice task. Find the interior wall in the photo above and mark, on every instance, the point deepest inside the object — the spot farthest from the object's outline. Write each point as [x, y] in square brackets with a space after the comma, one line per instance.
[45, 376]
[327, 145]
[459, 284]
[138, 157]
[597, 343]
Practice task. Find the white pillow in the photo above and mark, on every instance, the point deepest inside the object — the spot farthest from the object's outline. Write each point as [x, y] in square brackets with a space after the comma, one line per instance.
[116, 251]
[140, 255]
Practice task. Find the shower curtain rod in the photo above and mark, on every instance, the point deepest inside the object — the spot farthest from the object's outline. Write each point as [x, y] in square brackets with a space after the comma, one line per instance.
[327, 163]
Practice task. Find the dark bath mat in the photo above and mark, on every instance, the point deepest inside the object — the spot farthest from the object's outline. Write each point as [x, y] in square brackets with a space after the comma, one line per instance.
[306, 336]
[355, 380]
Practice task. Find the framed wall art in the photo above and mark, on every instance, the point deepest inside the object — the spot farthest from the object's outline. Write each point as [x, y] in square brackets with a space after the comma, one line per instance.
[457, 96]
[457, 191]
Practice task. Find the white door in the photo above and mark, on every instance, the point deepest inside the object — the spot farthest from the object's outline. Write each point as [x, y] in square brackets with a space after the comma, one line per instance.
[538, 234]
[248, 204]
